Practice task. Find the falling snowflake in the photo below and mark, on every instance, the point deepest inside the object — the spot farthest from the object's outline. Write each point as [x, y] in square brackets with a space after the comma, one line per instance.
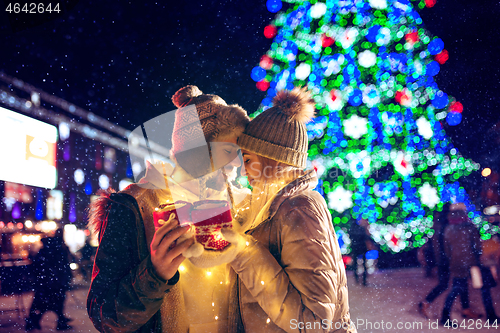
[428, 195]
[355, 126]
[340, 199]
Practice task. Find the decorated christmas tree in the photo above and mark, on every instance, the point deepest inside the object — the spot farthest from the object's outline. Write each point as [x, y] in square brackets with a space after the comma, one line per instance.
[377, 141]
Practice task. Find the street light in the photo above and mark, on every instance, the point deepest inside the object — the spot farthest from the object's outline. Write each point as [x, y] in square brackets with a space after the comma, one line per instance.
[486, 172]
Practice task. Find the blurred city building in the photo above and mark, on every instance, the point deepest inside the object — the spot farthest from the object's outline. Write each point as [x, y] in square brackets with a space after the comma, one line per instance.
[55, 157]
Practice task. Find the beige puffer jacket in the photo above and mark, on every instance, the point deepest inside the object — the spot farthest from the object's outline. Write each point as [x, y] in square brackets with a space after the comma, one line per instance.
[293, 279]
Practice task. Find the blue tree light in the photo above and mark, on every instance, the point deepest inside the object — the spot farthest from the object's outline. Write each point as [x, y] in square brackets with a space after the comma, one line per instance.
[274, 6]
[454, 118]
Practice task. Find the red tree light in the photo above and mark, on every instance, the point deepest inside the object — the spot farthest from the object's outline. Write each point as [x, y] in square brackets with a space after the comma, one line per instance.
[332, 95]
[430, 3]
[347, 260]
[398, 96]
[327, 41]
[262, 85]
[412, 37]
[456, 107]
[402, 97]
[266, 62]
[442, 57]
[270, 31]
[394, 239]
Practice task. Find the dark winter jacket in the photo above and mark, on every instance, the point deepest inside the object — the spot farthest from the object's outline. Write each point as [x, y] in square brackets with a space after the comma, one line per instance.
[462, 245]
[51, 266]
[125, 294]
[359, 238]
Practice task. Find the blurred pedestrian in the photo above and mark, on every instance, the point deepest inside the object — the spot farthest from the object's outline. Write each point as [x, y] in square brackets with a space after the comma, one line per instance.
[86, 260]
[441, 221]
[359, 246]
[461, 243]
[488, 263]
[52, 278]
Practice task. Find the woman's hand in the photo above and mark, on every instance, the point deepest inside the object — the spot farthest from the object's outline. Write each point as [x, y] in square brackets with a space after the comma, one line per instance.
[166, 259]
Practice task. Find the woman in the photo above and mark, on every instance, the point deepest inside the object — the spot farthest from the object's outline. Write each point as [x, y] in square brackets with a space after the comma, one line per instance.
[290, 271]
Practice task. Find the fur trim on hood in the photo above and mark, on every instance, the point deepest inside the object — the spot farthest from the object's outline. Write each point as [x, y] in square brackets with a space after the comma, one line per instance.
[98, 210]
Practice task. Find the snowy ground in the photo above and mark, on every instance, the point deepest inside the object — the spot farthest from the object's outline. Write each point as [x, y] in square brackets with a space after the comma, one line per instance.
[391, 298]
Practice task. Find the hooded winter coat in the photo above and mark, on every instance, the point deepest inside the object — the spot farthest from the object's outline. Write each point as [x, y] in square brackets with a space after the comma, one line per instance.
[126, 295]
[292, 279]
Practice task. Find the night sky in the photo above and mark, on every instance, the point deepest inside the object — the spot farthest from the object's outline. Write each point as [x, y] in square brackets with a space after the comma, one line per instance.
[124, 60]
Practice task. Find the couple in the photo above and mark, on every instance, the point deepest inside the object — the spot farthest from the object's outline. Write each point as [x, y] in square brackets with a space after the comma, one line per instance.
[283, 270]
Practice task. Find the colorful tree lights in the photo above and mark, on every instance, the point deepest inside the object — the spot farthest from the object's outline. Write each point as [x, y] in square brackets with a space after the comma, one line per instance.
[376, 142]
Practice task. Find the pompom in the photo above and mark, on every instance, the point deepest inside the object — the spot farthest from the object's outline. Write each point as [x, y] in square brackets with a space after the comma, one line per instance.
[297, 104]
[185, 94]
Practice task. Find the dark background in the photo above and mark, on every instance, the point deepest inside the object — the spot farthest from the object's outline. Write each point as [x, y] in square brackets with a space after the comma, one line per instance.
[124, 59]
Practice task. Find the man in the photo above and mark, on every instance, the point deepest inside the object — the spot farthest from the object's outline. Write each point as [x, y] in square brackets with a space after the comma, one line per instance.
[461, 245]
[138, 283]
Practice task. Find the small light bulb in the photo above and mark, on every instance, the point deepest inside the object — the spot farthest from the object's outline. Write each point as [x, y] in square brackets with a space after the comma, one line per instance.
[268, 320]
[209, 273]
[216, 317]
[262, 282]
[248, 243]
[213, 304]
[182, 268]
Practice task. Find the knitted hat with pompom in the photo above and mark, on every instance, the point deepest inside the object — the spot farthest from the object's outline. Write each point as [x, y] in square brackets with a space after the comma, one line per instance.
[217, 119]
[208, 119]
[280, 132]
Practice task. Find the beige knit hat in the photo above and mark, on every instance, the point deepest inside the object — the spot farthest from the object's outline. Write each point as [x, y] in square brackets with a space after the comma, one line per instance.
[202, 118]
[280, 133]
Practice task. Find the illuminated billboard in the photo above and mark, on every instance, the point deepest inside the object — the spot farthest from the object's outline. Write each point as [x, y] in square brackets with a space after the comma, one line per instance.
[27, 150]
[55, 205]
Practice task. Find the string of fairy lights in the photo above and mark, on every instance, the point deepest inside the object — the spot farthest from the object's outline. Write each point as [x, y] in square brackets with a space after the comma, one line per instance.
[377, 141]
